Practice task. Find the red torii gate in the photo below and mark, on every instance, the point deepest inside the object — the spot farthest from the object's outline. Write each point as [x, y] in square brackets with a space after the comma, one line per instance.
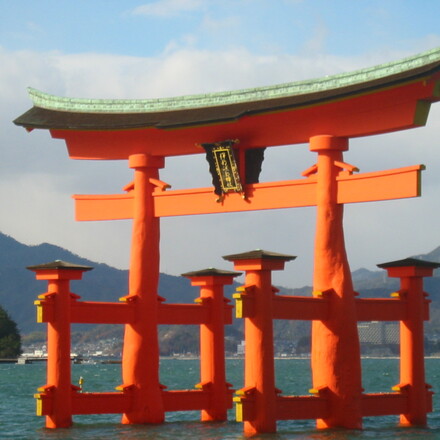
[58, 400]
[325, 113]
[259, 404]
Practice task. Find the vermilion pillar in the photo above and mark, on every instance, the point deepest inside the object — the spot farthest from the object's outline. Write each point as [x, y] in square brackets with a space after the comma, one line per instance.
[412, 363]
[140, 359]
[259, 375]
[336, 361]
[59, 274]
[212, 340]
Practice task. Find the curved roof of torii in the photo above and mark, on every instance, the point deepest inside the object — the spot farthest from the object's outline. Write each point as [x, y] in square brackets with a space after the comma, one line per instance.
[383, 98]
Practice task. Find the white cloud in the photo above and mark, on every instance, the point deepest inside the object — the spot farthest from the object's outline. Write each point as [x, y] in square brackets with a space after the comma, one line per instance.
[316, 44]
[34, 27]
[223, 24]
[37, 178]
[168, 8]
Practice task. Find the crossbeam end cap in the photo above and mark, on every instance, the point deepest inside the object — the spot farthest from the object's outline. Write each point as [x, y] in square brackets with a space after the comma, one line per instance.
[59, 264]
[211, 271]
[259, 254]
[410, 262]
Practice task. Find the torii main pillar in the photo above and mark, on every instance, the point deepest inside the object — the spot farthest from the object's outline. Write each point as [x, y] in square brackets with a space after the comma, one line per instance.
[336, 363]
[140, 360]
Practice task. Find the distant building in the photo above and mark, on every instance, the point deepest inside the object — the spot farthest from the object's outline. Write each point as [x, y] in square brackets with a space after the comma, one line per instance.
[378, 333]
[241, 348]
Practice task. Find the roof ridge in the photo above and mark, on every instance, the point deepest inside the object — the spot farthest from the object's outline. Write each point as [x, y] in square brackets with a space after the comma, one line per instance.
[53, 102]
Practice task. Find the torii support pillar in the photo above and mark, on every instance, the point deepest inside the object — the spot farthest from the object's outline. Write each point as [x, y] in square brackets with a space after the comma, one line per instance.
[58, 384]
[259, 373]
[412, 363]
[336, 361]
[140, 358]
[212, 340]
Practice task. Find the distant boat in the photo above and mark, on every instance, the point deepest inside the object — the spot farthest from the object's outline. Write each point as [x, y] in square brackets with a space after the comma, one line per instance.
[42, 356]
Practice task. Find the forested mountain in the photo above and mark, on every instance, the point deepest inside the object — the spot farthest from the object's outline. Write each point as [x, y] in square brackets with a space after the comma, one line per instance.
[19, 289]
[10, 340]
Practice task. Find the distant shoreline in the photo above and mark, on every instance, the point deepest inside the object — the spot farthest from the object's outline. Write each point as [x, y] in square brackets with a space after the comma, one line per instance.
[179, 358]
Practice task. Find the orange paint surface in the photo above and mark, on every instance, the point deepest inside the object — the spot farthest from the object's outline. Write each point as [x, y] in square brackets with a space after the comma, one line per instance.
[259, 374]
[412, 362]
[55, 401]
[335, 353]
[140, 358]
[212, 346]
[334, 311]
[390, 109]
[381, 185]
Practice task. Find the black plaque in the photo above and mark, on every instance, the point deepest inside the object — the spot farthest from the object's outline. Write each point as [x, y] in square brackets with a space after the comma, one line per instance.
[223, 167]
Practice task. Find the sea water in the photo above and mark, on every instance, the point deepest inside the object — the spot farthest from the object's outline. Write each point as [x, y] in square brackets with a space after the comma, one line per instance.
[18, 383]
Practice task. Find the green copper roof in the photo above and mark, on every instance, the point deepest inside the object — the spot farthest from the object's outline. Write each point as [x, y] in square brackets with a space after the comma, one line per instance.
[51, 102]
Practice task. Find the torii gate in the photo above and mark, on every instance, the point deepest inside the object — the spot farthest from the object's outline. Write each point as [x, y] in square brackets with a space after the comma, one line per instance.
[325, 113]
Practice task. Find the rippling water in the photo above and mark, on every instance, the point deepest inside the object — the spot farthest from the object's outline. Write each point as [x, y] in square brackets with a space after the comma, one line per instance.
[18, 383]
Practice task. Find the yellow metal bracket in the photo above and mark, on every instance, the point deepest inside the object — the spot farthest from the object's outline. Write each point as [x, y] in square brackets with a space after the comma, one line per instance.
[243, 300]
[128, 298]
[204, 386]
[401, 387]
[47, 295]
[125, 388]
[400, 294]
[244, 403]
[320, 391]
[322, 293]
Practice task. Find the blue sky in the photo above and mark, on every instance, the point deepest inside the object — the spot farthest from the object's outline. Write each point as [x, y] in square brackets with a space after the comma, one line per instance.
[341, 27]
[141, 49]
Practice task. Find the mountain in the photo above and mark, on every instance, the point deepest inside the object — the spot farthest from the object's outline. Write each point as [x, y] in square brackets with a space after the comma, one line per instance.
[373, 284]
[19, 290]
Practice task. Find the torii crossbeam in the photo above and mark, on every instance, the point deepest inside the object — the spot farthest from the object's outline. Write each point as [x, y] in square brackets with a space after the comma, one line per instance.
[382, 185]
